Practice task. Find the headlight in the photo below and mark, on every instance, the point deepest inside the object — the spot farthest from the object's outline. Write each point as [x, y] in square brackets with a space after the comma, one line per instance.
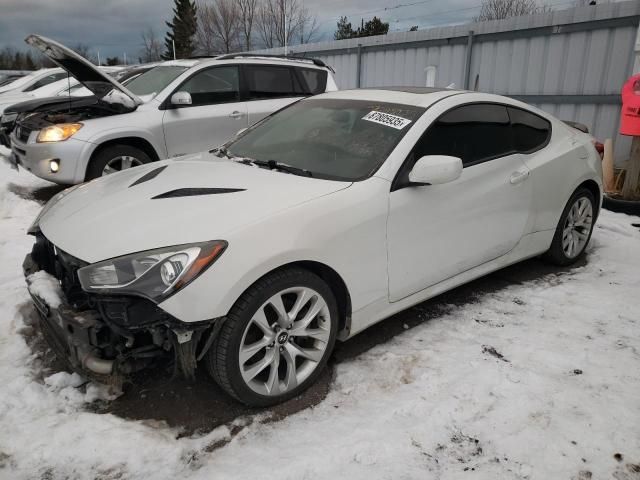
[55, 199]
[58, 133]
[154, 274]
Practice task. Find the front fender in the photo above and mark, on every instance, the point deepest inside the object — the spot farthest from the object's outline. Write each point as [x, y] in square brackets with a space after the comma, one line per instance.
[96, 140]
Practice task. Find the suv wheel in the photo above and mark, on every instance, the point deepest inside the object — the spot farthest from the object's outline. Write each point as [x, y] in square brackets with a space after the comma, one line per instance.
[114, 159]
[277, 338]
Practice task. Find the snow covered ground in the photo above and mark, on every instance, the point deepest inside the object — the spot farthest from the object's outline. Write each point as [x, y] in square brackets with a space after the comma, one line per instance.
[539, 380]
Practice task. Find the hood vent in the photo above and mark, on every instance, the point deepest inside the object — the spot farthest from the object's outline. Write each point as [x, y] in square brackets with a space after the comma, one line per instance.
[193, 192]
[148, 176]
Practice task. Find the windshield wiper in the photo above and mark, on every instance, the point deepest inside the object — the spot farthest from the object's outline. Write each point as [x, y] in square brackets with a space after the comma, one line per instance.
[220, 152]
[283, 167]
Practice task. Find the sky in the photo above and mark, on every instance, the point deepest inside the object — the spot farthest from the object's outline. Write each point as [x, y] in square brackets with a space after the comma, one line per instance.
[113, 27]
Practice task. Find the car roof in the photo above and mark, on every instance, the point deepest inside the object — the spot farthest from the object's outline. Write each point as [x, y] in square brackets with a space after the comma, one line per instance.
[417, 96]
[302, 62]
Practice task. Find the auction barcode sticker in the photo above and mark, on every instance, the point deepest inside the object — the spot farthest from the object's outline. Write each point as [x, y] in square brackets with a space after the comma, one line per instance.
[386, 119]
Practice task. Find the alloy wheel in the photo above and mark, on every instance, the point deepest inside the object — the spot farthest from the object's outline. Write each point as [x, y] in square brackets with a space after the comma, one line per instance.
[119, 163]
[577, 227]
[284, 341]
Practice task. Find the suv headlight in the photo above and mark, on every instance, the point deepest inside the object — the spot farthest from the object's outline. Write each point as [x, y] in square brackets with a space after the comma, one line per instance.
[58, 133]
[154, 274]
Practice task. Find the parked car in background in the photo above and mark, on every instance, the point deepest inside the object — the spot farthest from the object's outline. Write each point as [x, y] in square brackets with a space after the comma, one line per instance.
[329, 216]
[33, 81]
[9, 78]
[176, 108]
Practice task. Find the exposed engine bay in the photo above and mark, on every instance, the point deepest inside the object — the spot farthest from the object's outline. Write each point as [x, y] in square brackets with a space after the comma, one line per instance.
[110, 337]
[69, 112]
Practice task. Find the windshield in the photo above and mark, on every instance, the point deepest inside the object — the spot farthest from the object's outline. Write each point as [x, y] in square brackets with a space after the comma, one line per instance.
[155, 80]
[333, 139]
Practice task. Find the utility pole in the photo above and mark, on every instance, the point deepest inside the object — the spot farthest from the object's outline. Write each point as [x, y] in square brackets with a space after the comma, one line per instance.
[173, 42]
[286, 36]
[98, 57]
[125, 58]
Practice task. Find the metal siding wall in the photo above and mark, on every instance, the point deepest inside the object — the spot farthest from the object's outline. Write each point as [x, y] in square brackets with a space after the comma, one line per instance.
[566, 56]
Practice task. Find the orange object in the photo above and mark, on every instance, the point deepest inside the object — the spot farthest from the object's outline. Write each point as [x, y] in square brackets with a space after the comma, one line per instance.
[630, 114]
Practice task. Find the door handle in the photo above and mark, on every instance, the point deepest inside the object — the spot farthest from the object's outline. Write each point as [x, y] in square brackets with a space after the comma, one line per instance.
[519, 176]
[236, 114]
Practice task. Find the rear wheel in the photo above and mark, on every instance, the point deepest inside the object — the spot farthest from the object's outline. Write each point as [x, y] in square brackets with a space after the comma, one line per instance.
[277, 338]
[115, 158]
[574, 229]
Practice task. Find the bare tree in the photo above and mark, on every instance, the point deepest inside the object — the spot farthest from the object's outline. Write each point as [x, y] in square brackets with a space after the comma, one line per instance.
[280, 21]
[218, 26]
[152, 46]
[206, 39]
[247, 10]
[308, 27]
[499, 9]
[84, 50]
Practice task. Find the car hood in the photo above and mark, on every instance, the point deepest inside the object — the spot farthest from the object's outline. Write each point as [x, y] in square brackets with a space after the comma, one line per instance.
[172, 202]
[84, 71]
[48, 102]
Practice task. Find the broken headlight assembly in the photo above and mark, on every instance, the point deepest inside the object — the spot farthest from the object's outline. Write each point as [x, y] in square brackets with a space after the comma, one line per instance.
[153, 274]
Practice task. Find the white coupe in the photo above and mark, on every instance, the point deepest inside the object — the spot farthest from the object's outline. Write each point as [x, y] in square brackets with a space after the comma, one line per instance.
[321, 220]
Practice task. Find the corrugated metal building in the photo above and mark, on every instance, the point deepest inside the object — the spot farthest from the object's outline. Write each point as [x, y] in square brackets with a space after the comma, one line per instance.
[571, 63]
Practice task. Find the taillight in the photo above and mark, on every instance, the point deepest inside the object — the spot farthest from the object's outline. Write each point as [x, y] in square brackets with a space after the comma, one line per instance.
[599, 146]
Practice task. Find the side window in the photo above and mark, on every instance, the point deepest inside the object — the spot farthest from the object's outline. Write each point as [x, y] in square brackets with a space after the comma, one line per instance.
[530, 132]
[475, 133]
[54, 77]
[315, 81]
[213, 85]
[266, 81]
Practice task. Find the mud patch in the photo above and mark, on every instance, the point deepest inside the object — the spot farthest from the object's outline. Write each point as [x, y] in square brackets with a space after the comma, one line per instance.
[493, 352]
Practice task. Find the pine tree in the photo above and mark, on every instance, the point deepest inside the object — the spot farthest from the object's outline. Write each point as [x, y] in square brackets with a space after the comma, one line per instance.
[375, 26]
[29, 64]
[344, 30]
[181, 30]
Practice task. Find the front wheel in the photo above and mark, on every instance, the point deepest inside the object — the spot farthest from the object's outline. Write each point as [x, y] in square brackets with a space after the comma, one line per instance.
[277, 338]
[115, 158]
[574, 229]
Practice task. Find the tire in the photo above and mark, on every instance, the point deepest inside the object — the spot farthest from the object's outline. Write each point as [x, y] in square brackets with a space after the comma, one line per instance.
[276, 380]
[630, 207]
[559, 253]
[111, 155]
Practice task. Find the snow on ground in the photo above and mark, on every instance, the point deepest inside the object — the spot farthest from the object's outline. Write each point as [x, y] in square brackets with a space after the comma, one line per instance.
[539, 380]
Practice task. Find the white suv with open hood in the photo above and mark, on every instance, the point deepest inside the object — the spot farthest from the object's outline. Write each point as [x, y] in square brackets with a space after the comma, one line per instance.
[178, 107]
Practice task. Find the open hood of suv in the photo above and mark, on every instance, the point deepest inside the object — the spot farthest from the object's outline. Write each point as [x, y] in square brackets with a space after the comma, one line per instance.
[84, 71]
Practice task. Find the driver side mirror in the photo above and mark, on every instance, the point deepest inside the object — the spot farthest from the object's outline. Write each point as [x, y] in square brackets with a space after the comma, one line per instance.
[435, 170]
[181, 99]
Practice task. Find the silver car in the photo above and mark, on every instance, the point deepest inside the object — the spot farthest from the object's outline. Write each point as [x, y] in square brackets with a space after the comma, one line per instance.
[176, 108]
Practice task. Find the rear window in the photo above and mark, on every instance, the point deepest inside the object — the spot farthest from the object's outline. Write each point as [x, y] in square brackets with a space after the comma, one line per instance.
[530, 131]
[314, 80]
[266, 81]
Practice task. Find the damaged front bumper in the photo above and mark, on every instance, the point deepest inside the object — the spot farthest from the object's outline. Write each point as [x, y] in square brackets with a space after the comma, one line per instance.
[99, 339]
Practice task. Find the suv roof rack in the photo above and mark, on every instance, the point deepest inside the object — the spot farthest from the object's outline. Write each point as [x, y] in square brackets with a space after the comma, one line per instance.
[316, 61]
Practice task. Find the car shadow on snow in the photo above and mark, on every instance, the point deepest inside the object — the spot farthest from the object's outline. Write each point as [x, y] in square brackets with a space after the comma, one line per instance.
[200, 406]
[40, 195]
